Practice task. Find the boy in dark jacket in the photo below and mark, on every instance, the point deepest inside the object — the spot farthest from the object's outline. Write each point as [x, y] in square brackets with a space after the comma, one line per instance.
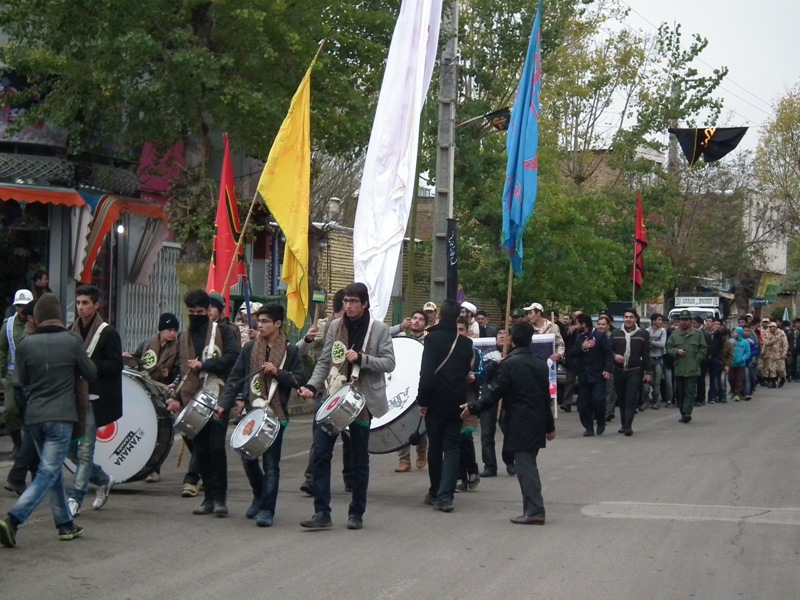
[522, 383]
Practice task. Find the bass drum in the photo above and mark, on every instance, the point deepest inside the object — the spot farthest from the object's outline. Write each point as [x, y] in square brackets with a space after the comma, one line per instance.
[133, 446]
[391, 431]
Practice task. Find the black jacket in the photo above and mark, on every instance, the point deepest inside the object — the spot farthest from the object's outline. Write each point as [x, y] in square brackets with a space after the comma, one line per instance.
[293, 375]
[590, 364]
[107, 357]
[639, 357]
[522, 383]
[444, 392]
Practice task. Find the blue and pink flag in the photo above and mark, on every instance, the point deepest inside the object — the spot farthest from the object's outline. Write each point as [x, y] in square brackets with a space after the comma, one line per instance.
[522, 147]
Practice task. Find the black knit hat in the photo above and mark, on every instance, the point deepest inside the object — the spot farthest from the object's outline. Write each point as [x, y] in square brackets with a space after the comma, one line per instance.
[216, 299]
[47, 308]
[168, 321]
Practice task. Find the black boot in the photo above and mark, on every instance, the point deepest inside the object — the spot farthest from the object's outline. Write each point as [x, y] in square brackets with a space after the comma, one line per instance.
[16, 439]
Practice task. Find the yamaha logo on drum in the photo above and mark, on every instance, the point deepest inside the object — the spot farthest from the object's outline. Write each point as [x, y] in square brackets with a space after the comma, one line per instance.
[127, 445]
[399, 400]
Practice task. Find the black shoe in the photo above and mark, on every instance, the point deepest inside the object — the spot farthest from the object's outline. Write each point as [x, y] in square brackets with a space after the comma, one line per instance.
[601, 427]
[307, 489]
[628, 432]
[318, 521]
[429, 500]
[68, 532]
[489, 473]
[14, 487]
[712, 401]
[264, 519]
[206, 508]
[220, 510]
[654, 406]
[443, 506]
[348, 487]
[565, 408]
[252, 511]
[354, 522]
[8, 533]
[685, 419]
[621, 430]
[588, 433]
[781, 381]
[609, 418]
[511, 470]
[722, 401]
[748, 398]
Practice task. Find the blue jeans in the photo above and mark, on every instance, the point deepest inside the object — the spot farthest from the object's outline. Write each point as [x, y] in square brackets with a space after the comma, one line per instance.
[359, 466]
[52, 441]
[657, 364]
[81, 452]
[264, 483]
[444, 454]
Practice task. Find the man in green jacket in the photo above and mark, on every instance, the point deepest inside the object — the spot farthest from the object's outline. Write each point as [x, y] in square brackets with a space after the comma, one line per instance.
[13, 330]
[688, 348]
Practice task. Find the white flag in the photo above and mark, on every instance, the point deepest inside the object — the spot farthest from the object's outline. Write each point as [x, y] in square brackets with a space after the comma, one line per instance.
[388, 186]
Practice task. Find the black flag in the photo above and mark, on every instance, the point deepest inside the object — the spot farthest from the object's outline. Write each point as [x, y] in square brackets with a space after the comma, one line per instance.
[712, 143]
[452, 259]
[499, 119]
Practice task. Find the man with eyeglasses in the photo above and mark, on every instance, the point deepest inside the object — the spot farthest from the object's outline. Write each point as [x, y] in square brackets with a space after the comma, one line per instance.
[360, 342]
[688, 349]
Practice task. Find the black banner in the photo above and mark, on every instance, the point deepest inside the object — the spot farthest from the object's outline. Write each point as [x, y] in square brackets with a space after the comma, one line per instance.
[452, 259]
[499, 119]
[712, 143]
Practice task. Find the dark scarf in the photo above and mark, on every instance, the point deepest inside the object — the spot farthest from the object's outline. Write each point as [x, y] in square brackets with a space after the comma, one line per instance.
[192, 344]
[356, 333]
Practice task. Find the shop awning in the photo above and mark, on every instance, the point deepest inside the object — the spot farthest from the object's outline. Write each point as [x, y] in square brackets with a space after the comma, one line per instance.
[45, 195]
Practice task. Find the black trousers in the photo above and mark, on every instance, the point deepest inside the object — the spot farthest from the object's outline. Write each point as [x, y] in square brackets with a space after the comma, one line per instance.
[347, 473]
[628, 385]
[488, 432]
[592, 403]
[208, 447]
[444, 455]
[27, 456]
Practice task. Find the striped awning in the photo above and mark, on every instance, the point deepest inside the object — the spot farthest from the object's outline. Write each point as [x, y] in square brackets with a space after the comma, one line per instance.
[45, 195]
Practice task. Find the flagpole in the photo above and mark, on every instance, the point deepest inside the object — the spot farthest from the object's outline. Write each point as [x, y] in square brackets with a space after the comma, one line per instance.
[508, 308]
[633, 273]
[255, 195]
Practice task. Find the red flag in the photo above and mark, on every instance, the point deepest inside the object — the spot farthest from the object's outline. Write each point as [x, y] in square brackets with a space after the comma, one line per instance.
[226, 235]
[640, 236]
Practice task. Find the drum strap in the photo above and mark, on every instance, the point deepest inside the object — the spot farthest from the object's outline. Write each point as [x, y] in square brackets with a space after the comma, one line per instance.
[273, 385]
[356, 367]
[12, 347]
[449, 354]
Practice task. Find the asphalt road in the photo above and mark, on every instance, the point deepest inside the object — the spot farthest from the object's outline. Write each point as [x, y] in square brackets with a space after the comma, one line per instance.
[705, 510]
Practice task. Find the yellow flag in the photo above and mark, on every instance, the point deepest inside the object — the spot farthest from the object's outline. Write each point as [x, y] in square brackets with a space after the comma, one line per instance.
[285, 187]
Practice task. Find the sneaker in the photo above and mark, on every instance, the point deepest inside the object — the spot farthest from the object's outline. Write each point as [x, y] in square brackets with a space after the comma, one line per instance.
[473, 480]
[8, 533]
[74, 507]
[102, 494]
[189, 490]
[748, 398]
[712, 401]
[429, 500]
[511, 470]
[403, 467]
[220, 510]
[444, 506]
[354, 522]
[307, 489]
[206, 508]
[489, 473]
[422, 461]
[654, 406]
[318, 521]
[153, 478]
[68, 532]
[264, 519]
[253, 511]
[461, 486]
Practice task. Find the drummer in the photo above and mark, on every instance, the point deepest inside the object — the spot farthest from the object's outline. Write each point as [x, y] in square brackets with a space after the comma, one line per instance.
[278, 369]
[194, 361]
[358, 340]
[413, 327]
[158, 355]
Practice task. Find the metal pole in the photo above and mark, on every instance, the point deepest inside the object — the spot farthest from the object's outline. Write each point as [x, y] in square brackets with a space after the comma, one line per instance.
[443, 195]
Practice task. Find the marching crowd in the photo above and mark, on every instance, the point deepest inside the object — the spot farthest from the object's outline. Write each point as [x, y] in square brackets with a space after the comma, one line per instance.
[62, 385]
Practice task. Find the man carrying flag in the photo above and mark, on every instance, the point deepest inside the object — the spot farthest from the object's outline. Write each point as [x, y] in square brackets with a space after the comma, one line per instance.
[226, 235]
[522, 147]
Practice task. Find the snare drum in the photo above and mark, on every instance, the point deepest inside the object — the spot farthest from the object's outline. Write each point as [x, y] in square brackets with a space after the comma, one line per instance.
[255, 433]
[136, 444]
[391, 431]
[196, 414]
[340, 409]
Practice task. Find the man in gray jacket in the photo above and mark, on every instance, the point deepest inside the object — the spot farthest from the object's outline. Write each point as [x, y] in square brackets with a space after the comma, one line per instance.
[353, 341]
[50, 360]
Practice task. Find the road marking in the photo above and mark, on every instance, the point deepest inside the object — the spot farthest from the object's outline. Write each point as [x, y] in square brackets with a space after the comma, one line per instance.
[693, 512]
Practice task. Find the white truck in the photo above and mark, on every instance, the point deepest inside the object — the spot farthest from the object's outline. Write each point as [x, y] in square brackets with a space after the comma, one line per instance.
[698, 306]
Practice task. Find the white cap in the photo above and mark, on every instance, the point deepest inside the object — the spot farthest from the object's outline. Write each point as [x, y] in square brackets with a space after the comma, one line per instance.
[430, 306]
[534, 306]
[22, 297]
[469, 306]
[254, 306]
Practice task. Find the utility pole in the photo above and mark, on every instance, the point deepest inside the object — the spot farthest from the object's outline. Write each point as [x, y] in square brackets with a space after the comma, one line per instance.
[445, 152]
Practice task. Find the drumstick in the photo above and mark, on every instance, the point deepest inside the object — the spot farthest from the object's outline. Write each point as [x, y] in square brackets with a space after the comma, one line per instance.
[180, 454]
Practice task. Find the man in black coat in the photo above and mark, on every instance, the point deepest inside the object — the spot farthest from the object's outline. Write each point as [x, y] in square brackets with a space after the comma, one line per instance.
[523, 385]
[446, 361]
[104, 346]
[591, 358]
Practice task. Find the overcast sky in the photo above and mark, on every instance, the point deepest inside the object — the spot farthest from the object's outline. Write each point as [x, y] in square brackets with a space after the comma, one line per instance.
[758, 42]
